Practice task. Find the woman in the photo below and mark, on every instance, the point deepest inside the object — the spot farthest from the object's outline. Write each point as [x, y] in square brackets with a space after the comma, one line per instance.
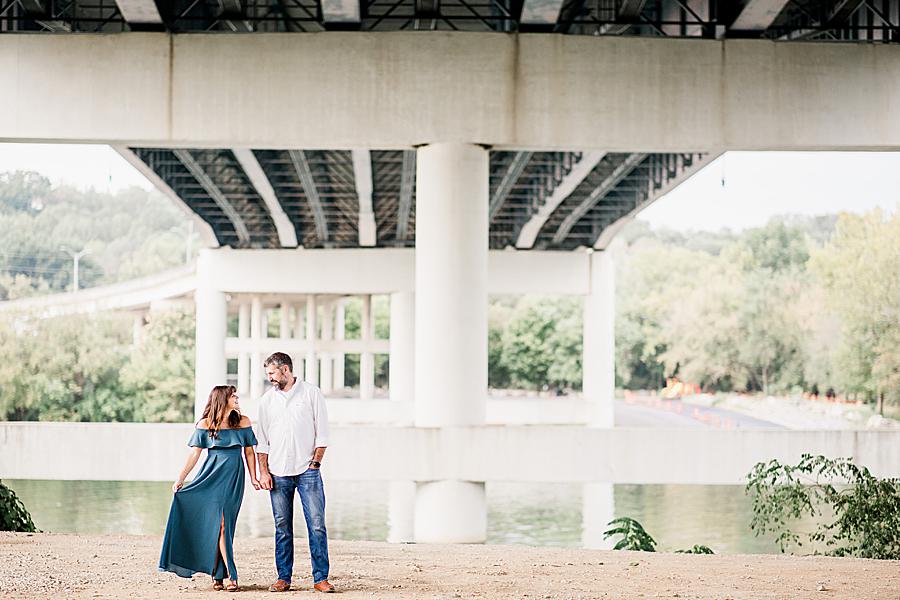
[200, 530]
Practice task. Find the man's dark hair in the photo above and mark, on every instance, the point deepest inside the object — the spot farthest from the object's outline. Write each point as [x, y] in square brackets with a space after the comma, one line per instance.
[280, 359]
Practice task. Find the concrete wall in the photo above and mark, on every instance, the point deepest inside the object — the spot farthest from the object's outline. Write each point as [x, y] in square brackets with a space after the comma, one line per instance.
[116, 451]
[367, 271]
[397, 90]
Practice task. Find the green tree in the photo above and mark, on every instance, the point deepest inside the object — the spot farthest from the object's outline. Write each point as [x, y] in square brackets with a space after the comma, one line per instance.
[158, 378]
[541, 344]
[859, 271]
[63, 369]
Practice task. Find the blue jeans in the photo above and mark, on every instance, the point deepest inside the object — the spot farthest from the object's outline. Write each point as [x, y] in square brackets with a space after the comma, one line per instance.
[312, 498]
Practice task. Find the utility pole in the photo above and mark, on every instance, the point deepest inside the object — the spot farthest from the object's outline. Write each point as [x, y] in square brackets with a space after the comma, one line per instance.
[76, 256]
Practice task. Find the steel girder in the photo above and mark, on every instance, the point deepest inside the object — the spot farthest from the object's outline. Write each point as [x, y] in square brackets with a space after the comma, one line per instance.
[566, 198]
[823, 20]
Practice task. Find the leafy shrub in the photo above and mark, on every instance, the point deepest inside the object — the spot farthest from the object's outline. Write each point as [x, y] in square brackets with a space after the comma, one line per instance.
[858, 514]
[13, 515]
[634, 537]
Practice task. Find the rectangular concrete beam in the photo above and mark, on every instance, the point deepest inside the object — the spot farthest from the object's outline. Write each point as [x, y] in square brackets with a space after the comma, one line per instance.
[399, 90]
[382, 271]
[81, 451]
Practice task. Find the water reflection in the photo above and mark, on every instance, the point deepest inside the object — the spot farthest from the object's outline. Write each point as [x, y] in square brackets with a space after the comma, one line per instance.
[678, 516]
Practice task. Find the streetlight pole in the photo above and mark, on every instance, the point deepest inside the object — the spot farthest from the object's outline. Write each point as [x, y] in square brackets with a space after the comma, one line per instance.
[76, 256]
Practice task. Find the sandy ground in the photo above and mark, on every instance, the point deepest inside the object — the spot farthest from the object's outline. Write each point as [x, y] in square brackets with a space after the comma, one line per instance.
[81, 566]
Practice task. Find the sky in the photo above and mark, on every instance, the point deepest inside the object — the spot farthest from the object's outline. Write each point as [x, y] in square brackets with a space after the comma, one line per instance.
[738, 190]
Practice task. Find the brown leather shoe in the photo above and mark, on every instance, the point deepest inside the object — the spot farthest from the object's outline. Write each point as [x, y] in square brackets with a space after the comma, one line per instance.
[324, 586]
[280, 586]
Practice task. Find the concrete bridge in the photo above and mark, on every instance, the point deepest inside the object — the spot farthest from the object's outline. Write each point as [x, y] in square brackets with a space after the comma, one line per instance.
[436, 167]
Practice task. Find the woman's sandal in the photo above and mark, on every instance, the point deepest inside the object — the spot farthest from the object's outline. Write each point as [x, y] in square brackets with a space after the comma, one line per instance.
[232, 587]
[217, 585]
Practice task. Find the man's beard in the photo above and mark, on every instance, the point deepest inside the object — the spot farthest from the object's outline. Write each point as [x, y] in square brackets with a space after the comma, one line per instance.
[281, 384]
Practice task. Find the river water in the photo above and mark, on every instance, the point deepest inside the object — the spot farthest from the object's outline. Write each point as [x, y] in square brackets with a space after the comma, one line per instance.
[678, 516]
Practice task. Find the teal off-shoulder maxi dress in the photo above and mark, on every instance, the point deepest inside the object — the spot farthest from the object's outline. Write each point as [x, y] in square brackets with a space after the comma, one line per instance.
[191, 543]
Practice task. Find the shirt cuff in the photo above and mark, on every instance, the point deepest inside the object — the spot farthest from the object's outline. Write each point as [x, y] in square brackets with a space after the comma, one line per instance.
[321, 442]
[262, 448]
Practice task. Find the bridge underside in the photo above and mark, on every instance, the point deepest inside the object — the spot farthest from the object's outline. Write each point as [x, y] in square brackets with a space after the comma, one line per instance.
[569, 198]
[823, 20]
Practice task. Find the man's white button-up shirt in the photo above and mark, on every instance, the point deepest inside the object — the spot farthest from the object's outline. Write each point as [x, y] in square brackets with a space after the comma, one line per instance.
[291, 426]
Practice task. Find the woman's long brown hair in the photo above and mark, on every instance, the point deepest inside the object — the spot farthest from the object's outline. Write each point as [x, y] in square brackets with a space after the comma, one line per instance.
[216, 406]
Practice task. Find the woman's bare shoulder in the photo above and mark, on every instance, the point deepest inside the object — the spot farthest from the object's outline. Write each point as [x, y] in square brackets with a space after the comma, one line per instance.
[202, 424]
[245, 421]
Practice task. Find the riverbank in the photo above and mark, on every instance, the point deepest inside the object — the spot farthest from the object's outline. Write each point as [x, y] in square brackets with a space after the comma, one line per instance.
[81, 566]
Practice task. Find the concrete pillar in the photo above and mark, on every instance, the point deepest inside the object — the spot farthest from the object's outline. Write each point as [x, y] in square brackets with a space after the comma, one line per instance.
[401, 371]
[339, 333]
[211, 329]
[326, 360]
[256, 369]
[597, 510]
[284, 321]
[311, 374]
[450, 367]
[243, 370]
[450, 512]
[401, 511]
[366, 359]
[451, 285]
[299, 323]
[599, 341]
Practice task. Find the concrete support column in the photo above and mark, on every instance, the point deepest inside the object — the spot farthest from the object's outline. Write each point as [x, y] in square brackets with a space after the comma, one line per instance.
[366, 359]
[284, 321]
[211, 329]
[326, 360]
[243, 370]
[450, 512]
[299, 323]
[339, 333]
[599, 341]
[598, 509]
[311, 374]
[401, 511]
[401, 372]
[451, 325]
[451, 285]
[256, 368]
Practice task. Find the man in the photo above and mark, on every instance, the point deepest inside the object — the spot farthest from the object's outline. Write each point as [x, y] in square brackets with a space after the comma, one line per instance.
[292, 432]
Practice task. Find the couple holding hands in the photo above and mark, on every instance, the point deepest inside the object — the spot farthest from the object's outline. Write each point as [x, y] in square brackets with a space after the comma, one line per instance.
[293, 435]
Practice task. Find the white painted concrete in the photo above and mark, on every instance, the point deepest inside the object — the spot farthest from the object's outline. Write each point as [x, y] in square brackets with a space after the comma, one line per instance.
[211, 313]
[598, 359]
[287, 235]
[450, 512]
[311, 363]
[33, 450]
[362, 169]
[508, 91]
[339, 334]
[401, 373]
[135, 294]
[451, 285]
[243, 370]
[598, 508]
[367, 359]
[324, 272]
[326, 359]
[401, 511]
[250, 404]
